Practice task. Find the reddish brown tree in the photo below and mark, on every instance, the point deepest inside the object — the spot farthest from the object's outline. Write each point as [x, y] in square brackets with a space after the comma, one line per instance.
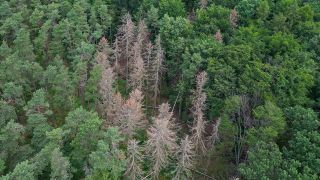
[131, 117]
[117, 55]
[218, 36]
[198, 102]
[138, 73]
[106, 91]
[162, 137]
[234, 18]
[203, 3]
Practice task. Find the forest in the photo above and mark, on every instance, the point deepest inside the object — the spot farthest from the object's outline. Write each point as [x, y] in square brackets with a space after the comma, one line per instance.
[159, 89]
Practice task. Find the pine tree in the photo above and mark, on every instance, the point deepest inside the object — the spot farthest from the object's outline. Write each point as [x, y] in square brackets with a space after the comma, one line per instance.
[198, 103]
[23, 170]
[60, 166]
[5, 51]
[23, 46]
[37, 111]
[108, 161]
[161, 142]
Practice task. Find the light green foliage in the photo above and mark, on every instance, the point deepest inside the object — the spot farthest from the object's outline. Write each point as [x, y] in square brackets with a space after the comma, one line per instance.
[174, 35]
[302, 119]
[83, 130]
[210, 20]
[264, 162]
[60, 88]
[270, 123]
[173, 8]
[108, 161]
[247, 8]
[13, 94]
[304, 148]
[23, 170]
[91, 93]
[37, 110]
[60, 166]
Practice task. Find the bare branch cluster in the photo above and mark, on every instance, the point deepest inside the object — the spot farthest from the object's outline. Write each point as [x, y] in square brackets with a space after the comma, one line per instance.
[234, 18]
[198, 114]
[131, 117]
[185, 155]
[218, 36]
[135, 159]
[161, 142]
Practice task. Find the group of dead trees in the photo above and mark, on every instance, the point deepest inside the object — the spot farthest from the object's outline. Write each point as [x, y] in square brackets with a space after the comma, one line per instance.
[135, 59]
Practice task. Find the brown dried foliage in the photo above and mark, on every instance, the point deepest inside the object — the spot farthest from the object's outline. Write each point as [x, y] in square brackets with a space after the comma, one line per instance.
[234, 18]
[218, 36]
[131, 117]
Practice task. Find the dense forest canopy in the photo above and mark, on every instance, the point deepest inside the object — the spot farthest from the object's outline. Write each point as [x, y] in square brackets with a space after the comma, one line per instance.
[159, 89]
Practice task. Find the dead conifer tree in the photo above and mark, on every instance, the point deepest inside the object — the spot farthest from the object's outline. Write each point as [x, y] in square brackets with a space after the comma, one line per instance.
[104, 46]
[115, 113]
[203, 3]
[142, 34]
[218, 36]
[147, 61]
[126, 36]
[106, 91]
[135, 159]
[214, 136]
[131, 117]
[198, 102]
[116, 55]
[234, 18]
[161, 139]
[157, 67]
[137, 74]
[185, 155]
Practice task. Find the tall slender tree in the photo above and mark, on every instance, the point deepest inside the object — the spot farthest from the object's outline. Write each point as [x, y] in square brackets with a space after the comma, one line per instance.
[185, 155]
[137, 74]
[161, 142]
[199, 98]
[132, 117]
[126, 33]
[134, 160]
[157, 68]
